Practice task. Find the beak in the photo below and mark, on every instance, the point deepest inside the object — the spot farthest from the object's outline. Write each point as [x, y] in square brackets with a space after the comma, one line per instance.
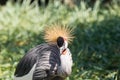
[64, 52]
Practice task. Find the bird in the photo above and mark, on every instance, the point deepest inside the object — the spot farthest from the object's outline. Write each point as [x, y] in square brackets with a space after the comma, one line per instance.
[51, 60]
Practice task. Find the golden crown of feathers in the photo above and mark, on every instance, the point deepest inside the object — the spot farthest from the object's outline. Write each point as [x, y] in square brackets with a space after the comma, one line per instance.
[54, 31]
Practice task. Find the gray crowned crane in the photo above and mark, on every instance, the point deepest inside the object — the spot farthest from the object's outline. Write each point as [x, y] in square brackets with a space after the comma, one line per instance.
[48, 61]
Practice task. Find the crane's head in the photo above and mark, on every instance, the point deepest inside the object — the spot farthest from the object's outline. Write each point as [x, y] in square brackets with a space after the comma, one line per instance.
[62, 35]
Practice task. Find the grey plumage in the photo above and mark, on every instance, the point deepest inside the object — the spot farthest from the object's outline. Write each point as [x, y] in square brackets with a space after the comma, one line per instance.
[46, 64]
[47, 60]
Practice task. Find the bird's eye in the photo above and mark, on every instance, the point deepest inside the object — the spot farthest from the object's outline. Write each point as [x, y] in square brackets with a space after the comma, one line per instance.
[69, 53]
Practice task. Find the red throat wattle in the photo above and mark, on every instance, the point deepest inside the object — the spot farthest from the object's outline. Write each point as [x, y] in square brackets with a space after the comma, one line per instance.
[64, 52]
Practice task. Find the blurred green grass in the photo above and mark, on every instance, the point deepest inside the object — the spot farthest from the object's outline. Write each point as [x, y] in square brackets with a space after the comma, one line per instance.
[95, 49]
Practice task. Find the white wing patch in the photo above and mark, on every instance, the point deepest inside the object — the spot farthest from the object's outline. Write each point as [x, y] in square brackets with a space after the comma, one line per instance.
[28, 76]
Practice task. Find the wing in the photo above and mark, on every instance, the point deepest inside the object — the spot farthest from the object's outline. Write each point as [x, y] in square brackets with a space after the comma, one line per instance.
[27, 62]
[47, 64]
[46, 57]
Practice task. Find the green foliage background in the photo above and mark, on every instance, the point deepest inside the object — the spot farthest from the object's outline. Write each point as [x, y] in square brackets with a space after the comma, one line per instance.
[95, 49]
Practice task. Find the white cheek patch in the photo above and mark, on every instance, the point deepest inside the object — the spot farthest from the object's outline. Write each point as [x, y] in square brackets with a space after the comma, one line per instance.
[61, 49]
[65, 44]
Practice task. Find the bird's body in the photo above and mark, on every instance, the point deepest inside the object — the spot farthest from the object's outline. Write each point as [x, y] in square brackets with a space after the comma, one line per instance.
[46, 61]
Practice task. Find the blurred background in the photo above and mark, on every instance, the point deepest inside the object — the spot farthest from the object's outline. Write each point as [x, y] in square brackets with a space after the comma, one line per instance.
[95, 48]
